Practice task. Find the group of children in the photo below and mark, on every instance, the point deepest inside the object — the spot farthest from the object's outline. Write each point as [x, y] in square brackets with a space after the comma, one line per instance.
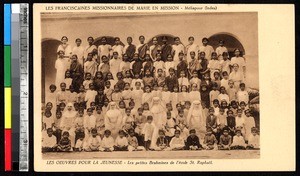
[130, 78]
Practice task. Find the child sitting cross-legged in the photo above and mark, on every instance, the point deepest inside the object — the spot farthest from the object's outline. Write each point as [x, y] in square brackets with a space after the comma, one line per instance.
[49, 142]
[210, 141]
[162, 143]
[64, 144]
[93, 142]
[193, 141]
[121, 143]
[177, 143]
[108, 142]
[238, 142]
[133, 142]
[225, 140]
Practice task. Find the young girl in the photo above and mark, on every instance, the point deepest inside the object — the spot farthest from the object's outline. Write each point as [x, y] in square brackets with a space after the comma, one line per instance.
[114, 64]
[225, 80]
[253, 139]
[182, 65]
[194, 94]
[225, 63]
[166, 95]
[203, 63]
[213, 95]
[90, 95]
[238, 141]
[158, 64]
[205, 95]
[223, 96]
[136, 94]
[195, 80]
[61, 67]
[128, 121]
[214, 64]
[230, 122]
[193, 65]
[162, 142]
[184, 95]
[182, 80]
[89, 122]
[99, 80]
[126, 94]
[176, 49]
[216, 78]
[128, 78]
[160, 79]
[148, 65]
[121, 143]
[148, 80]
[147, 95]
[116, 95]
[249, 124]
[104, 67]
[61, 96]
[133, 144]
[68, 80]
[170, 125]
[220, 50]
[177, 143]
[169, 64]
[124, 65]
[156, 92]
[148, 131]
[48, 121]
[175, 98]
[88, 80]
[90, 65]
[100, 125]
[135, 80]
[93, 142]
[242, 94]
[140, 121]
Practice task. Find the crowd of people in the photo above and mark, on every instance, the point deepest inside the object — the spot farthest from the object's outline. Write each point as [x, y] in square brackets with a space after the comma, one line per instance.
[159, 97]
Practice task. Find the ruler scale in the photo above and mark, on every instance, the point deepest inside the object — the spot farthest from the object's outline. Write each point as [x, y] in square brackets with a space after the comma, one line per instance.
[24, 88]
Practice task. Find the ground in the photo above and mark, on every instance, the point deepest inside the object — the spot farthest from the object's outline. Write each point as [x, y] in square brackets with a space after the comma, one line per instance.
[203, 154]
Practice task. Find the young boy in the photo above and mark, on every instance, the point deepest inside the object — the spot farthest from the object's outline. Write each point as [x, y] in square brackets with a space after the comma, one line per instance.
[177, 143]
[171, 80]
[79, 146]
[64, 144]
[162, 142]
[148, 132]
[225, 141]
[210, 140]
[211, 120]
[193, 141]
[238, 141]
[231, 91]
[49, 141]
[170, 126]
[230, 122]
[108, 142]
[121, 143]
[207, 49]
[93, 142]
[253, 139]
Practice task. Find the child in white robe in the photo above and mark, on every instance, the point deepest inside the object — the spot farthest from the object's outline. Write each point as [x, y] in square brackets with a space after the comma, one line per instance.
[89, 122]
[94, 141]
[253, 140]
[238, 141]
[90, 95]
[177, 143]
[108, 142]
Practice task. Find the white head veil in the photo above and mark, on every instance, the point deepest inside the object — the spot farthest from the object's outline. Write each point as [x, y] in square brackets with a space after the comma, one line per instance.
[156, 105]
[199, 112]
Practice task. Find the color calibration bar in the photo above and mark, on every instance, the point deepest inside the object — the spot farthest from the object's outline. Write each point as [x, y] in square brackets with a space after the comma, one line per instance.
[7, 88]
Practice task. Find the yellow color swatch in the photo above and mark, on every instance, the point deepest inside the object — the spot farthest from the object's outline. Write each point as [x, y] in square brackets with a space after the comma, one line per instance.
[7, 105]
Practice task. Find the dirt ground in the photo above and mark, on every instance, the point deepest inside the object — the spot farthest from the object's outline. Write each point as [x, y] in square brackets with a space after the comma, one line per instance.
[203, 154]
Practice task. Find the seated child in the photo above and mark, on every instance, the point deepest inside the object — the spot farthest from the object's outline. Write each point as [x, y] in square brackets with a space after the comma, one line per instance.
[225, 141]
[49, 142]
[147, 131]
[89, 122]
[79, 146]
[181, 125]
[48, 121]
[253, 139]
[193, 141]
[128, 121]
[238, 141]
[64, 144]
[210, 141]
[162, 142]
[177, 143]
[93, 142]
[108, 142]
[133, 144]
[121, 143]
[100, 125]
[78, 122]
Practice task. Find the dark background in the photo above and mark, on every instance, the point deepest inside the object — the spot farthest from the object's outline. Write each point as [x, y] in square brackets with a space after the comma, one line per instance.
[31, 172]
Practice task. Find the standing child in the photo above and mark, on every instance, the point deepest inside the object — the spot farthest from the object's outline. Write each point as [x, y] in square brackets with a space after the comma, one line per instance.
[240, 121]
[182, 80]
[175, 98]
[177, 48]
[225, 63]
[171, 80]
[136, 94]
[114, 64]
[90, 95]
[214, 64]
[158, 63]
[100, 125]
[184, 95]
[108, 90]
[147, 95]
[104, 67]
[193, 65]
[211, 120]
[148, 132]
[124, 65]
[126, 94]
[116, 94]
[207, 49]
[221, 119]
[182, 65]
[61, 95]
[78, 50]
[170, 126]
[61, 67]
[169, 64]
[231, 91]
[48, 121]
[195, 93]
[160, 79]
[242, 94]
[181, 125]
[249, 124]
[128, 77]
[140, 121]
[225, 80]
[79, 124]
[223, 96]
[118, 48]
[191, 48]
[68, 79]
[88, 80]
[213, 94]
[195, 80]
[204, 92]
[220, 50]
[89, 122]
[217, 78]
[148, 80]
[177, 143]
[230, 122]
[121, 143]
[166, 95]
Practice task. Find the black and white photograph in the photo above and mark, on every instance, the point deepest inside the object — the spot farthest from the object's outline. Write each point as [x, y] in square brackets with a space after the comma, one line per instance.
[148, 85]
[157, 86]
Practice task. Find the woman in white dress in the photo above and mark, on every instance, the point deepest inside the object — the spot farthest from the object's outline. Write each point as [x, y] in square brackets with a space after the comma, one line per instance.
[67, 122]
[196, 118]
[237, 59]
[177, 48]
[113, 119]
[65, 47]
[61, 67]
[104, 49]
[236, 76]
[159, 118]
[191, 47]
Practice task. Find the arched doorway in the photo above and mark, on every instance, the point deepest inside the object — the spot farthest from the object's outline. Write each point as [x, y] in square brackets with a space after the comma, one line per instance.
[49, 55]
[170, 39]
[231, 42]
[109, 39]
